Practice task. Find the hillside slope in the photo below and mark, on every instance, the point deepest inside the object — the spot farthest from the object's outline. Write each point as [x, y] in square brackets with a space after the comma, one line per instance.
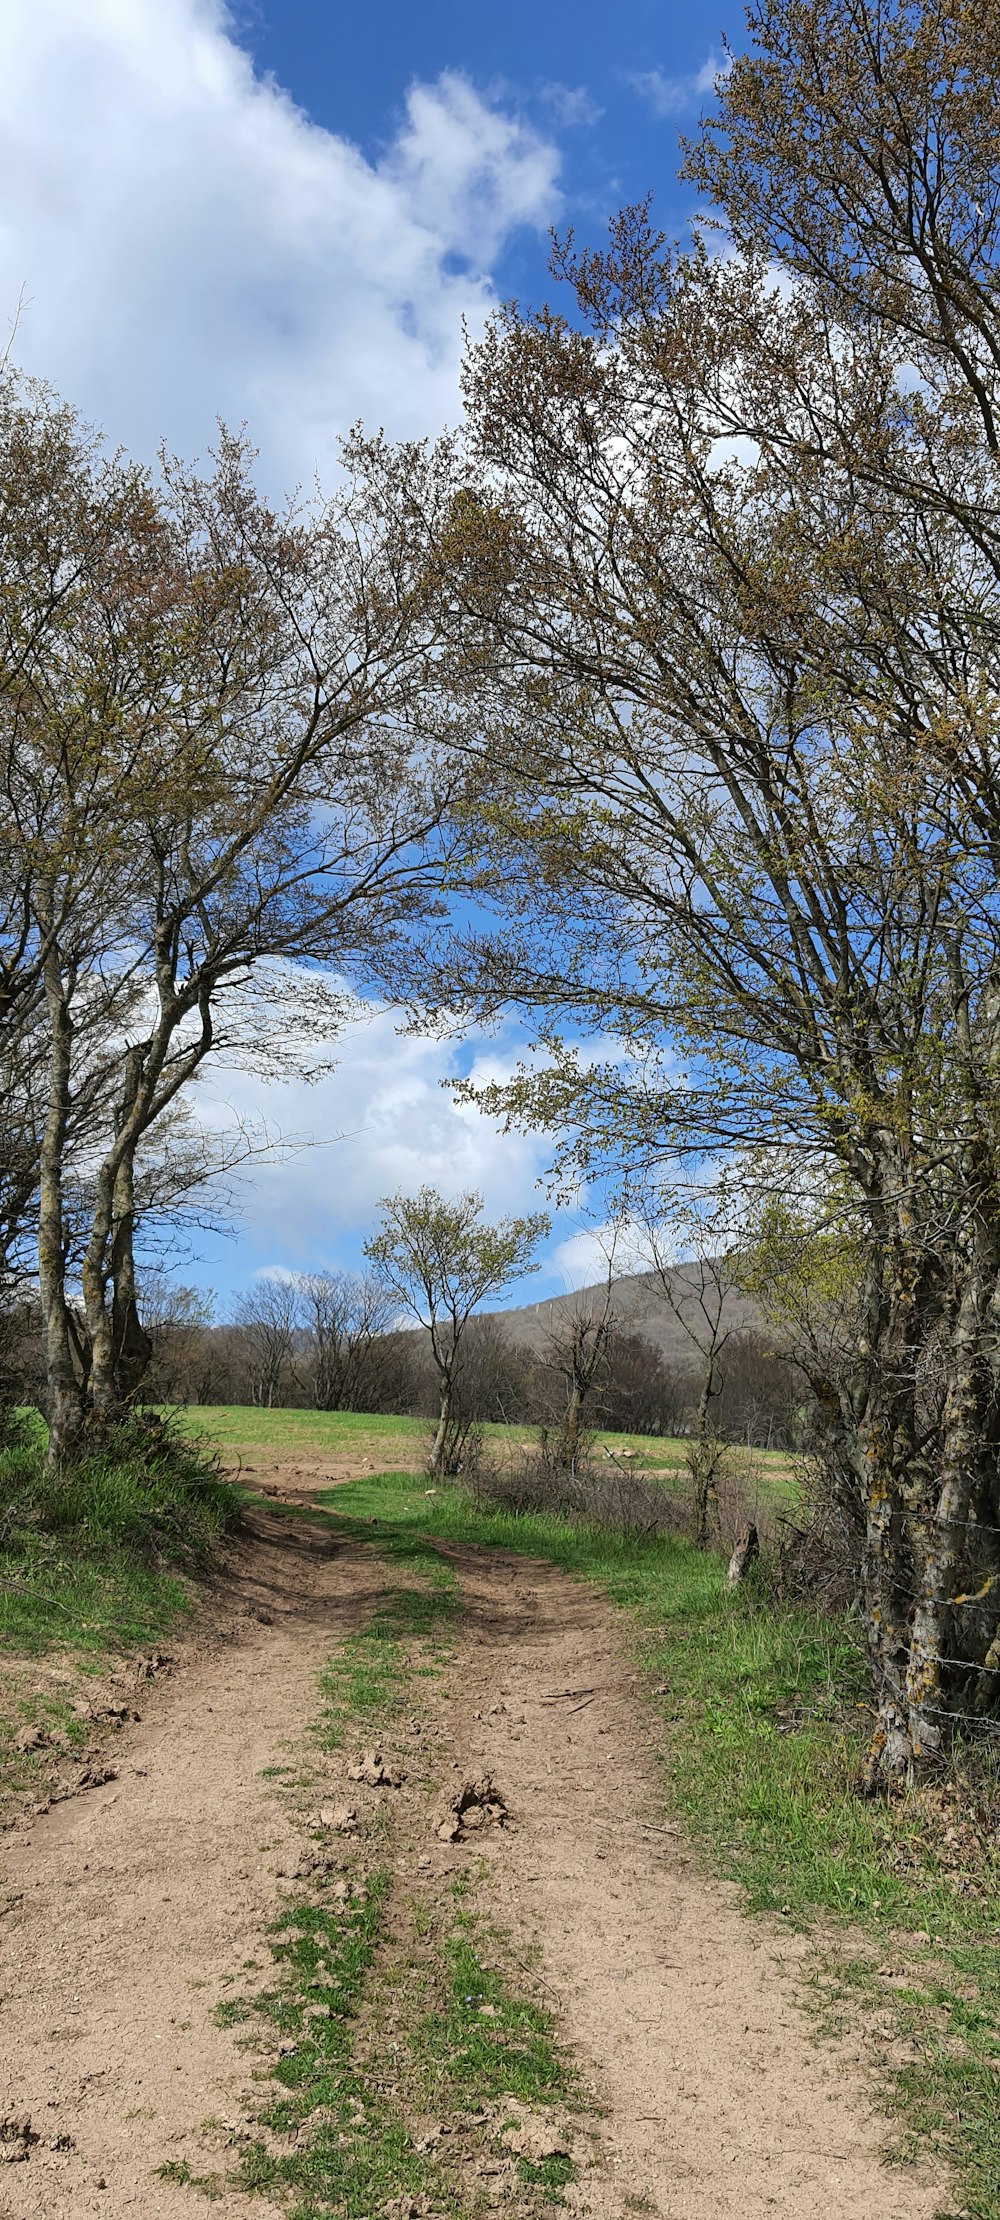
[640, 1306]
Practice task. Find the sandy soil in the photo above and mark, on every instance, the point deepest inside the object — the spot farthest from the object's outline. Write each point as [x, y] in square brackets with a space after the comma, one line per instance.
[127, 1908]
[718, 2101]
[134, 1902]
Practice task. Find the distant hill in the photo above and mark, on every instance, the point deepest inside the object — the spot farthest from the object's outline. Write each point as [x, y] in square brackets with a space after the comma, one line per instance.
[641, 1307]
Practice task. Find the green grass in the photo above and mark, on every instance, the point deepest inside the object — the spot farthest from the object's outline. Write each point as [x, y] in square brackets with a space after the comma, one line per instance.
[241, 1426]
[95, 1558]
[766, 1725]
[342, 2163]
[383, 2009]
[368, 1682]
[242, 1430]
[484, 2056]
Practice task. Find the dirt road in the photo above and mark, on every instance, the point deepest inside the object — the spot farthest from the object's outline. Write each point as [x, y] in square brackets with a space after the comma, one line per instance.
[128, 1909]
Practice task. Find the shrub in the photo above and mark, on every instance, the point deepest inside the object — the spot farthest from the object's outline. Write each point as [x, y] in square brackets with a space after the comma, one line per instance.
[145, 1491]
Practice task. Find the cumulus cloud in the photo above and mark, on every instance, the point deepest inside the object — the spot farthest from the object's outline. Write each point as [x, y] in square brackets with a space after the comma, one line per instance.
[382, 1120]
[676, 96]
[571, 106]
[191, 245]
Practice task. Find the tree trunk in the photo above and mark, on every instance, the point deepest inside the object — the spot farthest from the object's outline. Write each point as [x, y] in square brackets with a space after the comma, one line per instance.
[65, 1402]
[744, 1555]
[946, 1537]
[114, 1192]
[131, 1344]
[569, 1447]
[884, 1584]
[703, 1464]
[438, 1456]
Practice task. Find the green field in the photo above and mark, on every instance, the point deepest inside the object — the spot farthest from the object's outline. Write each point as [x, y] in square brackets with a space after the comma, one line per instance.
[352, 1435]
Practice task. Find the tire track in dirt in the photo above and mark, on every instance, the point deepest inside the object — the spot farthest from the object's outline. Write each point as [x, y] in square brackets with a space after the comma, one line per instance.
[140, 1899]
[681, 2010]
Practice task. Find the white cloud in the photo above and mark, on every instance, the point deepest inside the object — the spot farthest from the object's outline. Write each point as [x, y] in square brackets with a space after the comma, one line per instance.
[571, 106]
[192, 245]
[676, 96]
[381, 1121]
[582, 1258]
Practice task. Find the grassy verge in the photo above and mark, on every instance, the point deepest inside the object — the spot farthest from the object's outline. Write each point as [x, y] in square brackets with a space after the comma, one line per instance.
[392, 2038]
[766, 1720]
[95, 1559]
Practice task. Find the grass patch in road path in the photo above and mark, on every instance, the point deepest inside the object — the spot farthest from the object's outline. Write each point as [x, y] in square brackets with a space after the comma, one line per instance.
[392, 2032]
[368, 1681]
[764, 1727]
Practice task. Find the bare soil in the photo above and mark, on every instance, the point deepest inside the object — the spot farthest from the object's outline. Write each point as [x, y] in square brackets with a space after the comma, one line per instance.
[128, 1907]
[718, 2101]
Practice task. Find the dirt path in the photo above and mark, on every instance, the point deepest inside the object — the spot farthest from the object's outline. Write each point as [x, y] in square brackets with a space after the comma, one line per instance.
[131, 1906]
[718, 2102]
[139, 1900]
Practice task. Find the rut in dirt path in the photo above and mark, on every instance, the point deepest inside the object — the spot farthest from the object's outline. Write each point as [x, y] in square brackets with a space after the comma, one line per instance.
[139, 1900]
[684, 2013]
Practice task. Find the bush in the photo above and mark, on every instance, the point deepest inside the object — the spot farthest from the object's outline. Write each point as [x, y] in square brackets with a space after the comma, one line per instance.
[601, 1493]
[145, 1491]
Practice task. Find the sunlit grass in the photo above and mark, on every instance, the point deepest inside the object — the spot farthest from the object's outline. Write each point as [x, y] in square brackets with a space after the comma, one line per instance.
[388, 1440]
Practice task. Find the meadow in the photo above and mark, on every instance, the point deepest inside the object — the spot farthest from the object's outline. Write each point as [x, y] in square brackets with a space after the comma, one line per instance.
[352, 1437]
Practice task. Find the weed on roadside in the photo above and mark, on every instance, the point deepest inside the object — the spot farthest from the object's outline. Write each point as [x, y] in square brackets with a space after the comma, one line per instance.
[93, 1558]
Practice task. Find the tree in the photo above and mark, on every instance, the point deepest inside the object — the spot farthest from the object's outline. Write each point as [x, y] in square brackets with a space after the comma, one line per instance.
[440, 1261]
[577, 1347]
[342, 1317]
[701, 1291]
[641, 1394]
[232, 773]
[266, 1315]
[728, 575]
[69, 514]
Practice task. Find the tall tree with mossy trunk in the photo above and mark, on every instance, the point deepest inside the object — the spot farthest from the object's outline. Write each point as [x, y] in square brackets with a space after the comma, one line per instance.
[726, 551]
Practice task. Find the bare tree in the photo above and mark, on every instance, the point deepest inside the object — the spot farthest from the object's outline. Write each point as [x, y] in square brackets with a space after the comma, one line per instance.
[228, 777]
[267, 1316]
[577, 1349]
[343, 1316]
[698, 1292]
[728, 570]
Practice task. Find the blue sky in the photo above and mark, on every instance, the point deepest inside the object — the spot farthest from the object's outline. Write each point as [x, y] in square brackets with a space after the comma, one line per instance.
[611, 85]
[283, 214]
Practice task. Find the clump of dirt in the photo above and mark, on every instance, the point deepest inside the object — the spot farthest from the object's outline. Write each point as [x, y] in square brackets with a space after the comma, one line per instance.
[532, 2136]
[341, 1819]
[16, 2138]
[373, 1772]
[477, 1804]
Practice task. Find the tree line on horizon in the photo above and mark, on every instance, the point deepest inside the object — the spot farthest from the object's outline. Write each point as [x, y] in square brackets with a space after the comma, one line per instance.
[678, 663]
